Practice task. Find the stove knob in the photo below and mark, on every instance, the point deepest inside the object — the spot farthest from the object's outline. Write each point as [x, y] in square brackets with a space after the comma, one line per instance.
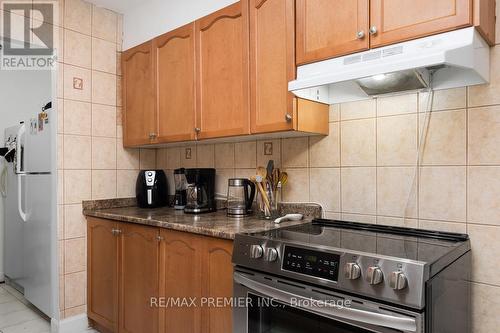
[256, 251]
[374, 275]
[352, 271]
[270, 254]
[398, 280]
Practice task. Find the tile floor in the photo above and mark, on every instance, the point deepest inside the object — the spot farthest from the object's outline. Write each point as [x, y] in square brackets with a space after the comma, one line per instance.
[17, 316]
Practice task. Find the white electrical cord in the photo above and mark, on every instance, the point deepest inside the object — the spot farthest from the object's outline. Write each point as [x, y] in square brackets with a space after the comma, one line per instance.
[421, 146]
[3, 179]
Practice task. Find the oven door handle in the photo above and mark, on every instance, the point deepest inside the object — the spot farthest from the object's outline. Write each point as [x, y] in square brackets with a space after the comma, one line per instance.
[406, 324]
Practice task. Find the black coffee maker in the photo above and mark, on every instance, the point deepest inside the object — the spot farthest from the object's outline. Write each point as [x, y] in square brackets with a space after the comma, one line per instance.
[151, 189]
[200, 191]
[180, 181]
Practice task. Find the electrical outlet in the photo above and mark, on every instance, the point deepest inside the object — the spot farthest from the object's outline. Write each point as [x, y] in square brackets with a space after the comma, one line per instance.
[268, 148]
[77, 83]
[187, 153]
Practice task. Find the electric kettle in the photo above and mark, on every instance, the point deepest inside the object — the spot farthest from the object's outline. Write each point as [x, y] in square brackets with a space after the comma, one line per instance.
[240, 195]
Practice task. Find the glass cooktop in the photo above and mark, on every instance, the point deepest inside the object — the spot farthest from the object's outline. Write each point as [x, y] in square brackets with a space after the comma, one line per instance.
[405, 243]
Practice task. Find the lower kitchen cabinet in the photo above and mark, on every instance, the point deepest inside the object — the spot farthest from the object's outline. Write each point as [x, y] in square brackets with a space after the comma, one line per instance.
[139, 276]
[130, 263]
[218, 284]
[181, 258]
[102, 274]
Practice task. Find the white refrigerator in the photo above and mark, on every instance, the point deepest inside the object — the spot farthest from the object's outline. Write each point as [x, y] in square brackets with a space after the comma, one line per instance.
[29, 216]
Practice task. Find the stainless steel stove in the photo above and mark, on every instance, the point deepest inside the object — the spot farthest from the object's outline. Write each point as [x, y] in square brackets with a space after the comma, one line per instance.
[337, 276]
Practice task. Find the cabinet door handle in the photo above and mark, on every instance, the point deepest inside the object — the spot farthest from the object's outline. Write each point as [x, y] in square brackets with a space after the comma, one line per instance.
[197, 129]
[360, 34]
[152, 136]
[373, 30]
[288, 117]
[116, 232]
[159, 238]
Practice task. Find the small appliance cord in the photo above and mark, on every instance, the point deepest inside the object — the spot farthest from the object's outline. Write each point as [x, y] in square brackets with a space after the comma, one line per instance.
[421, 146]
[3, 178]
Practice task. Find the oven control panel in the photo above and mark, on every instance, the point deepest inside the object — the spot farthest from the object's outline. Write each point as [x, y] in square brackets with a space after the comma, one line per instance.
[313, 263]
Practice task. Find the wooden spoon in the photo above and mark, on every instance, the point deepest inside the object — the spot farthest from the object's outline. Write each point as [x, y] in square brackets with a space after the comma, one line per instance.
[283, 178]
[258, 183]
[261, 171]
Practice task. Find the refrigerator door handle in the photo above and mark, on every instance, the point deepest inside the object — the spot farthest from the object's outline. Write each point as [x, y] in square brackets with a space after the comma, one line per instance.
[22, 214]
[19, 150]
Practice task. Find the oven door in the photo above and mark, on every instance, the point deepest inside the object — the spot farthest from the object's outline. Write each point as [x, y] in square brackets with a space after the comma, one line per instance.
[275, 305]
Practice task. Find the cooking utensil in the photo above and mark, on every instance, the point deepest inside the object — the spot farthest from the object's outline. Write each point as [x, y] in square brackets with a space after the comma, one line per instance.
[276, 178]
[258, 183]
[283, 178]
[269, 170]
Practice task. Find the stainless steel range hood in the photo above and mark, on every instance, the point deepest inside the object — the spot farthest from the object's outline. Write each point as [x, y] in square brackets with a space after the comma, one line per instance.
[449, 60]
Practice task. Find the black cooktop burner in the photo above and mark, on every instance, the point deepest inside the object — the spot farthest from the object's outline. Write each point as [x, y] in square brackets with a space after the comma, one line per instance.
[405, 243]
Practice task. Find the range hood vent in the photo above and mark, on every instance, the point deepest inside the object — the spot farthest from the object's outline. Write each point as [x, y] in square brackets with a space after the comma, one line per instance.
[449, 60]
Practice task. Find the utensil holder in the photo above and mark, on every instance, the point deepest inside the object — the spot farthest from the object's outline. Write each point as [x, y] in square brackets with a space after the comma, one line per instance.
[268, 205]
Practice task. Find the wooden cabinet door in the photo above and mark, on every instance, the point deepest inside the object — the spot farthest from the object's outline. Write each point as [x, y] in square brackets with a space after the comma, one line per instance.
[139, 278]
[139, 115]
[181, 262]
[400, 20]
[218, 283]
[272, 64]
[102, 273]
[329, 28]
[175, 84]
[222, 72]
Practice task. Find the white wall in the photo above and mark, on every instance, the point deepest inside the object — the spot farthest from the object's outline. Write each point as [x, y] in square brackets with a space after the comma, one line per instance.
[2, 277]
[155, 17]
[22, 95]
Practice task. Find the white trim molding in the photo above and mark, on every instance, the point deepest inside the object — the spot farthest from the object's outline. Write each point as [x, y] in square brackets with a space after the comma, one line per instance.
[75, 324]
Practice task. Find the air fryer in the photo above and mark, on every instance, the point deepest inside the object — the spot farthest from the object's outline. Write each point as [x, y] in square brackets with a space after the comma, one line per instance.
[151, 189]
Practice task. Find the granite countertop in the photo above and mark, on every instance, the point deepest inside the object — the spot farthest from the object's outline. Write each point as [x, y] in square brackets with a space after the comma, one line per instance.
[216, 224]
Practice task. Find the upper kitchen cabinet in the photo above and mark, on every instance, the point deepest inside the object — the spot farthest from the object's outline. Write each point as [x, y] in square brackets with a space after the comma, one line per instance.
[394, 21]
[272, 64]
[139, 116]
[223, 73]
[326, 28]
[174, 55]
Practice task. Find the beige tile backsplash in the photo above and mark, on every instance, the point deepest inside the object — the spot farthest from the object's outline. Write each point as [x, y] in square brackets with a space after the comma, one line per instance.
[396, 140]
[356, 149]
[484, 135]
[366, 170]
[446, 140]
[78, 16]
[92, 161]
[104, 56]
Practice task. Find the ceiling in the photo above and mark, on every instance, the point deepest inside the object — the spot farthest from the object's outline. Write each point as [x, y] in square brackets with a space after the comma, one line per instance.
[117, 5]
